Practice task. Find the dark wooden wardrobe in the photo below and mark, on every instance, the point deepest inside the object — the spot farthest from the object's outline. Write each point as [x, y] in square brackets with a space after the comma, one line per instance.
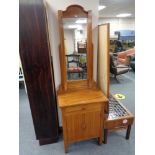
[38, 70]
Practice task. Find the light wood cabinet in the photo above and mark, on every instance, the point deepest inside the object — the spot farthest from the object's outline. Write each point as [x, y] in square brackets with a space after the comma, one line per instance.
[82, 115]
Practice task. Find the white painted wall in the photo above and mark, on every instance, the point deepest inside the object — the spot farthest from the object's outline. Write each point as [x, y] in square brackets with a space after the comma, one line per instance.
[119, 24]
[69, 41]
[52, 10]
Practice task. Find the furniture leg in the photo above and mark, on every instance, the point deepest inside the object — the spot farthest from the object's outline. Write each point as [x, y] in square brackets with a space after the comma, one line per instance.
[99, 140]
[82, 75]
[116, 78]
[69, 76]
[105, 135]
[128, 132]
[65, 147]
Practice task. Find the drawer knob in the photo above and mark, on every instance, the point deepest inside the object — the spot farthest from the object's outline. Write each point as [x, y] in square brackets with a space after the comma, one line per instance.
[125, 121]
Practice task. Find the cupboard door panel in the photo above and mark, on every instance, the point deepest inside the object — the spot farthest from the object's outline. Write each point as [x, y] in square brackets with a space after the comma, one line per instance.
[83, 125]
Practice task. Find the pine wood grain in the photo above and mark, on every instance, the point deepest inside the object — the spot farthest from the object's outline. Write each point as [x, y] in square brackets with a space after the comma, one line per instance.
[81, 97]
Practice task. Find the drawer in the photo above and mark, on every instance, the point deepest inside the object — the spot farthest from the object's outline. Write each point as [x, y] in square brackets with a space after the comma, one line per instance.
[110, 124]
[82, 108]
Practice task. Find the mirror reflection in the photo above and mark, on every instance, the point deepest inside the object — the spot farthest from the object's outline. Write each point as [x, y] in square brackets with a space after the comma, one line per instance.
[75, 39]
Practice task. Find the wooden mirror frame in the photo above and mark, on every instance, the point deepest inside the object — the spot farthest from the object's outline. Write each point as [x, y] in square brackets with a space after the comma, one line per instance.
[75, 11]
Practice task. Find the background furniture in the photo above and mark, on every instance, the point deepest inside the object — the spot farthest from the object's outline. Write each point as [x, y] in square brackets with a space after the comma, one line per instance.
[117, 69]
[21, 76]
[118, 46]
[82, 47]
[132, 63]
[124, 56]
[74, 59]
[81, 102]
[126, 35]
[38, 70]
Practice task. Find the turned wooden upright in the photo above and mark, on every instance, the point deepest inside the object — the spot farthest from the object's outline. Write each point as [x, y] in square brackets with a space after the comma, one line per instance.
[81, 102]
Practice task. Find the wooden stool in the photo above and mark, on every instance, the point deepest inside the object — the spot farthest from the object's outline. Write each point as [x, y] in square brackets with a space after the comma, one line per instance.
[118, 118]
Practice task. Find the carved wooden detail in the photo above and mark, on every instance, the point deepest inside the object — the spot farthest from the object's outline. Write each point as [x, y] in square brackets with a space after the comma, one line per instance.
[74, 11]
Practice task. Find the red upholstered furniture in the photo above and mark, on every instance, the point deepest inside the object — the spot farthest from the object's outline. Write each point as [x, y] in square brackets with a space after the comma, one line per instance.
[75, 69]
[74, 59]
[124, 56]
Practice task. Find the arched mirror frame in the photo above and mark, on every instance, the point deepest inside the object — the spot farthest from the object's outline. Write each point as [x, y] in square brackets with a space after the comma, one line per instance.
[75, 11]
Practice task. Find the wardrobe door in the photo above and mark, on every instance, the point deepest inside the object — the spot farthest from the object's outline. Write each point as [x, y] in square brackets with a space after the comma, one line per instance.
[38, 71]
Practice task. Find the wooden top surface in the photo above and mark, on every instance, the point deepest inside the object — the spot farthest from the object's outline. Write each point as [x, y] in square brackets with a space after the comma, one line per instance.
[81, 97]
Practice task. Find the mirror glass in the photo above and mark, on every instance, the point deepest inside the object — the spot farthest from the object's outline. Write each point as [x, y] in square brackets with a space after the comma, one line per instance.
[75, 39]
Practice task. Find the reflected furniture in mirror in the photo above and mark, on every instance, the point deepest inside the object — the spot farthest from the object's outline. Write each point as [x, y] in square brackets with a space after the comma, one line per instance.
[75, 70]
[82, 47]
[75, 29]
[82, 103]
[75, 37]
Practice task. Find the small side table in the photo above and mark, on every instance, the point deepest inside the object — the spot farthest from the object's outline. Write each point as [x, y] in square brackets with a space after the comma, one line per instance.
[118, 118]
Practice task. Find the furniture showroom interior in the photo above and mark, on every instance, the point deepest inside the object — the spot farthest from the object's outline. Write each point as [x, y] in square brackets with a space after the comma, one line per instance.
[76, 77]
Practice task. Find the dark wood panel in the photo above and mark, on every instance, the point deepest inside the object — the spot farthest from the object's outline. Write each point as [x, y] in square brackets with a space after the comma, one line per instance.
[38, 70]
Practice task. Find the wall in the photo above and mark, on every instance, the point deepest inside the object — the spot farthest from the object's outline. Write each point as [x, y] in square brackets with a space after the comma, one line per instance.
[52, 12]
[119, 24]
[69, 41]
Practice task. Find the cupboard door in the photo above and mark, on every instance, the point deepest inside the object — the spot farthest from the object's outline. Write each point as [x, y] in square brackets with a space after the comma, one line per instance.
[82, 126]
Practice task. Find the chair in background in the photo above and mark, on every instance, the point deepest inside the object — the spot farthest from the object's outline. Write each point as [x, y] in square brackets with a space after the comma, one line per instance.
[21, 77]
[132, 63]
[124, 56]
[117, 69]
[74, 59]
[118, 46]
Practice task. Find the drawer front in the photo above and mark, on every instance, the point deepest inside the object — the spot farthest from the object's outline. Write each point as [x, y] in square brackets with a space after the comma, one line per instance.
[110, 124]
[83, 108]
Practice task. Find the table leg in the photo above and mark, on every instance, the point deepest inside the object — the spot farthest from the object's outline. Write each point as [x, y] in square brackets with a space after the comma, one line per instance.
[128, 132]
[105, 135]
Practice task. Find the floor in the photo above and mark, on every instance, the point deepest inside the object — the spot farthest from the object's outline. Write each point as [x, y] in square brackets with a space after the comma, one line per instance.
[117, 145]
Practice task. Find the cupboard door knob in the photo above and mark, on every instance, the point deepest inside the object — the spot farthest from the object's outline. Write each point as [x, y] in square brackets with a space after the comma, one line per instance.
[83, 126]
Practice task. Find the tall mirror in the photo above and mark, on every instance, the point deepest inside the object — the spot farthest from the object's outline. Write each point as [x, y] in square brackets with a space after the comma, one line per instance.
[76, 49]
[75, 40]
